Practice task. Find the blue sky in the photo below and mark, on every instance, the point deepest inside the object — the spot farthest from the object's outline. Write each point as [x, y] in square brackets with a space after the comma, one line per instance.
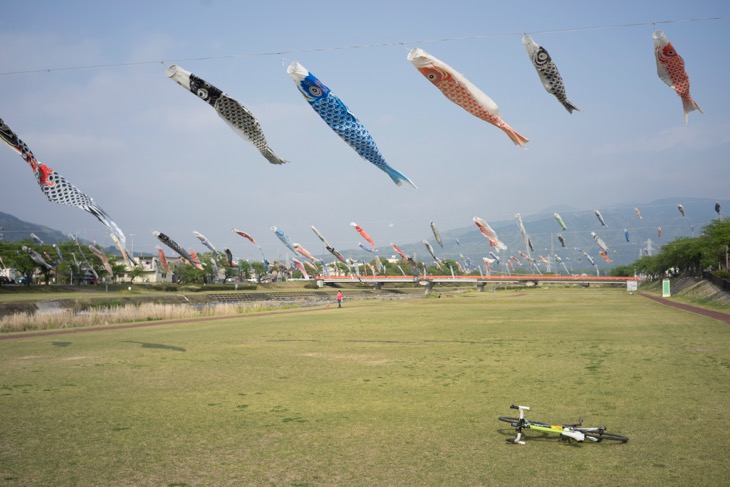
[156, 158]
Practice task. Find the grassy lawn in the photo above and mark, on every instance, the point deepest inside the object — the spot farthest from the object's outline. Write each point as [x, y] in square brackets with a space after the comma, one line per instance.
[379, 393]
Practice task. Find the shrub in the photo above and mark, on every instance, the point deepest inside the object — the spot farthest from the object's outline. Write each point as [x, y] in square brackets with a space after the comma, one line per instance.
[722, 274]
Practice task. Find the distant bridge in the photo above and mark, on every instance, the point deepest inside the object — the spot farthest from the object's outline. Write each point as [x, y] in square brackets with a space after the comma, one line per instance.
[479, 281]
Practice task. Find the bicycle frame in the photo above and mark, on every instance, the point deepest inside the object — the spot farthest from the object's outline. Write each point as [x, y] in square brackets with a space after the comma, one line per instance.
[573, 431]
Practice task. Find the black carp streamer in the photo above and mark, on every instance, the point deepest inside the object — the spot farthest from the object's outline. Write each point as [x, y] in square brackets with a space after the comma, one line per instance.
[56, 188]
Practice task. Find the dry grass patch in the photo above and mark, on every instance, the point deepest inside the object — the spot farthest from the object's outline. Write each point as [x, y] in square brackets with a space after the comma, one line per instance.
[120, 314]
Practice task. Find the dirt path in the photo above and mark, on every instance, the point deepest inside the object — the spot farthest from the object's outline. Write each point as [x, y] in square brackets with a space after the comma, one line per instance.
[718, 315]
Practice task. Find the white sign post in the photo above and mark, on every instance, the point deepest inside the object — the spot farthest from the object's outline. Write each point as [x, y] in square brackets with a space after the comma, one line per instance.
[665, 289]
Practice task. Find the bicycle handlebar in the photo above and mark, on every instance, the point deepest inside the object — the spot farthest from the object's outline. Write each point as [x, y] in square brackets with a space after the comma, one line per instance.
[521, 409]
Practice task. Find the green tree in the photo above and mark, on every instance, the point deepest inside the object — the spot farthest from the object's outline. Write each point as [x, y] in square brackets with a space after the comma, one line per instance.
[23, 264]
[70, 267]
[689, 255]
[449, 264]
[623, 271]
[135, 273]
[118, 267]
[189, 274]
[16, 258]
[715, 248]
[258, 268]
[234, 271]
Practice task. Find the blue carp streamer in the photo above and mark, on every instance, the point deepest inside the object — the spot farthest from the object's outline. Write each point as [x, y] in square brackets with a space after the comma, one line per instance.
[341, 120]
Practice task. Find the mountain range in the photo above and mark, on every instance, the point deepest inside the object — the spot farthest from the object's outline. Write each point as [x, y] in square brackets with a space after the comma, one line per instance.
[643, 235]
[14, 229]
[467, 242]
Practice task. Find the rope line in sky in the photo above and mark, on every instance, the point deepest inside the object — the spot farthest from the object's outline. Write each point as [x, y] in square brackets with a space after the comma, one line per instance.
[357, 46]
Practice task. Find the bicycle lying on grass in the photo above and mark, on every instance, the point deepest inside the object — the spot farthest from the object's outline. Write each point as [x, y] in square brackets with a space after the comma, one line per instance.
[567, 431]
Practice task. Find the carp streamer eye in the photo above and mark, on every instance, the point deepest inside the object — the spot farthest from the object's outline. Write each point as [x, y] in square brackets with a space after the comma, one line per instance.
[202, 93]
[433, 76]
[315, 91]
[543, 56]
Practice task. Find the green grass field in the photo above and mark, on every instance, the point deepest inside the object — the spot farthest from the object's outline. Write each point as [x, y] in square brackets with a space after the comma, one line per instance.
[378, 393]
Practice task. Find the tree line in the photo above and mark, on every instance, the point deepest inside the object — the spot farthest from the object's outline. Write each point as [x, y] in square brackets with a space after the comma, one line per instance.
[687, 256]
[72, 263]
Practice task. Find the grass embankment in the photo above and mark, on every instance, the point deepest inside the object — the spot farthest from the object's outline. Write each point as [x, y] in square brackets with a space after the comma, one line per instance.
[697, 292]
[377, 393]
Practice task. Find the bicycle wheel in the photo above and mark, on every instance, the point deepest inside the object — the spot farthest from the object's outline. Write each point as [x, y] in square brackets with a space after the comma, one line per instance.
[508, 419]
[598, 437]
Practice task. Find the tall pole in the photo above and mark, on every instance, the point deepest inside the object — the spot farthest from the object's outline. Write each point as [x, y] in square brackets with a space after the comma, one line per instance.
[131, 251]
[552, 253]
